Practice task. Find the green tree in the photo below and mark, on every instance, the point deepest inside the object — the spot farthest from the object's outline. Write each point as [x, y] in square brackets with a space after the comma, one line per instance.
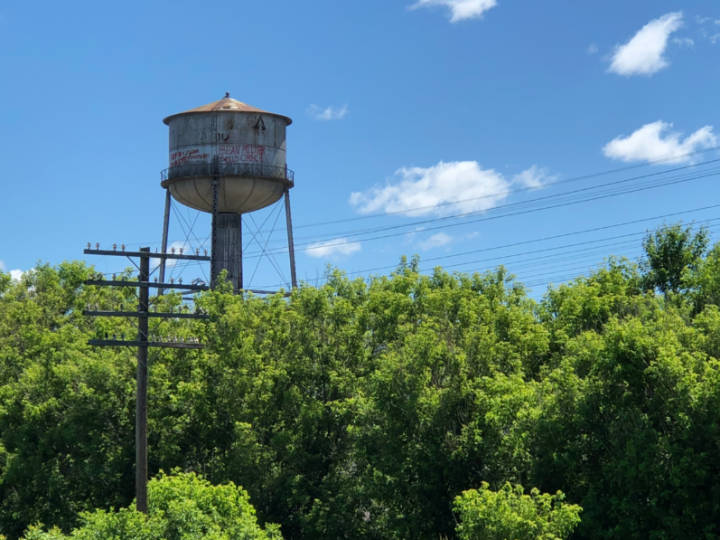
[445, 403]
[362, 408]
[627, 415]
[65, 408]
[511, 514]
[705, 279]
[181, 506]
[671, 252]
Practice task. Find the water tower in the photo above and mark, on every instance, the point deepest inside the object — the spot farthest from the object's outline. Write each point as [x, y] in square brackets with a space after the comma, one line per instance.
[228, 158]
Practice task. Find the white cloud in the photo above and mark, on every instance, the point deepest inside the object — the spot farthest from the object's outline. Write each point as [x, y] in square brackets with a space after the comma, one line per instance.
[460, 9]
[441, 189]
[593, 49]
[652, 142]
[436, 240]
[534, 177]
[15, 275]
[336, 246]
[176, 246]
[328, 113]
[643, 54]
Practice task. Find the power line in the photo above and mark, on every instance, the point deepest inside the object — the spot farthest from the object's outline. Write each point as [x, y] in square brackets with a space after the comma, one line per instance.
[568, 198]
[572, 233]
[536, 241]
[492, 218]
[341, 238]
[518, 190]
[665, 182]
[533, 260]
[524, 189]
[547, 276]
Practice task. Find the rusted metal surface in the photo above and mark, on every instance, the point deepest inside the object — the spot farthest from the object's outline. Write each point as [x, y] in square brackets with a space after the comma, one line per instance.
[226, 104]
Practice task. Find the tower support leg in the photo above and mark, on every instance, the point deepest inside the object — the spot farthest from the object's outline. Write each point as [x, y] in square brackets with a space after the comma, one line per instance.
[291, 241]
[166, 224]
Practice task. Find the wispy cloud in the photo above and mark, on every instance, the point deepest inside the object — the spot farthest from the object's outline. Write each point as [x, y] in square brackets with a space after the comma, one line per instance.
[644, 53]
[533, 177]
[708, 29]
[436, 240]
[654, 142]
[684, 42]
[441, 189]
[336, 246]
[593, 48]
[460, 10]
[330, 112]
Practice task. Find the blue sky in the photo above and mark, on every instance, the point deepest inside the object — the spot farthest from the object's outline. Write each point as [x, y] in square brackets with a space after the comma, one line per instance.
[470, 132]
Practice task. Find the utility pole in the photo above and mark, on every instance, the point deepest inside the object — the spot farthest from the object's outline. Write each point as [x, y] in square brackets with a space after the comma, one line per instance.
[141, 453]
[143, 342]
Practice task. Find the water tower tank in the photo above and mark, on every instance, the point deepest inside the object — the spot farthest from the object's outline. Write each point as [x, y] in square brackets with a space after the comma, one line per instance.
[228, 158]
[241, 146]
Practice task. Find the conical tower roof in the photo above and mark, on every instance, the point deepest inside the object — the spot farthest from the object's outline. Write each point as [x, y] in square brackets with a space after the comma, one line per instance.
[226, 104]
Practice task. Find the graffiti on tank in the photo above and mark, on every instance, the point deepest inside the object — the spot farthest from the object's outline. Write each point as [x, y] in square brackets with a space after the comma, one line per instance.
[187, 156]
[241, 153]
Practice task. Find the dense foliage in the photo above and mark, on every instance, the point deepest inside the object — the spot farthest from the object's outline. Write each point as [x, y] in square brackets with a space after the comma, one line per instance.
[182, 507]
[509, 513]
[365, 409]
